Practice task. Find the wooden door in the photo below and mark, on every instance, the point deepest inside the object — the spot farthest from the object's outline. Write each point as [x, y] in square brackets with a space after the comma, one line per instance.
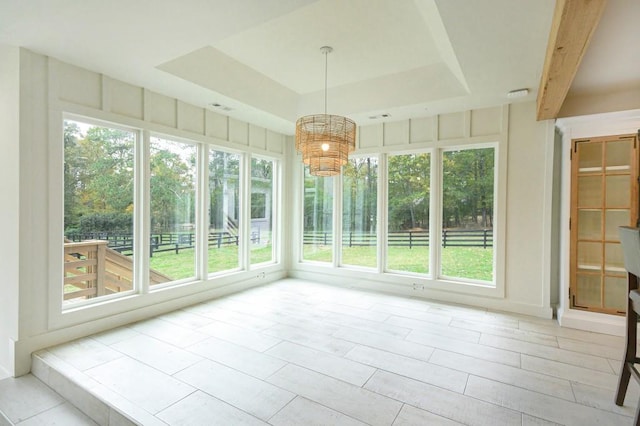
[604, 196]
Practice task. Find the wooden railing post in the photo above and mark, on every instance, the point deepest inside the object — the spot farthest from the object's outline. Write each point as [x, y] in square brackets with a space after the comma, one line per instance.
[101, 267]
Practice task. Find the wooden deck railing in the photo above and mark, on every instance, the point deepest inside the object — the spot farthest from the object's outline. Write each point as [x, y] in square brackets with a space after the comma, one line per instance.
[92, 269]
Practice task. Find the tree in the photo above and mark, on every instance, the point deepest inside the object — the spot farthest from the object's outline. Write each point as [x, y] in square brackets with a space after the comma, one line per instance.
[409, 180]
[360, 177]
[172, 184]
[98, 172]
[468, 180]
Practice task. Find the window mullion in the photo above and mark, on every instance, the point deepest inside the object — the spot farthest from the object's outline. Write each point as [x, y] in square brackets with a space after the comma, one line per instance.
[202, 212]
[383, 210]
[142, 209]
[245, 211]
[337, 220]
[435, 209]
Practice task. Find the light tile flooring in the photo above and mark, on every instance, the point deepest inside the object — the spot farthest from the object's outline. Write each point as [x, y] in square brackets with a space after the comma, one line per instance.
[301, 353]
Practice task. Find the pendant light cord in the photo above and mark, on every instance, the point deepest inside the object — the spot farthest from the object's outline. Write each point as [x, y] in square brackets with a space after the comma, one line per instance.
[326, 68]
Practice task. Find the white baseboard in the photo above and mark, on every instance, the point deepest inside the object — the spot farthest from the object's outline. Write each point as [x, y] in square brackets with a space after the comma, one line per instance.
[592, 321]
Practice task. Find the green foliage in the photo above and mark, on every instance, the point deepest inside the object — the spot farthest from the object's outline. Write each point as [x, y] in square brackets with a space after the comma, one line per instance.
[360, 195]
[98, 172]
[106, 222]
[468, 188]
[318, 203]
[409, 180]
[172, 184]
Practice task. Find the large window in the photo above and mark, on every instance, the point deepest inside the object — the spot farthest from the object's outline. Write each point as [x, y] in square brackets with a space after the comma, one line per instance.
[173, 210]
[318, 218]
[98, 210]
[408, 213]
[467, 214]
[360, 212]
[224, 211]
[144, 210]
[262, 208]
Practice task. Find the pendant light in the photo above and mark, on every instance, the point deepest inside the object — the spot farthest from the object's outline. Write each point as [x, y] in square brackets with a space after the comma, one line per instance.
[325, 140]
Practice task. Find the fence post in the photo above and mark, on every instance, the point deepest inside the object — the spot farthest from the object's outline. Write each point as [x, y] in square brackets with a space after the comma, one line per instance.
[219, 239]
[410, 240]
[485, 239]
[444, 238]
[350, 238]
[325, 238]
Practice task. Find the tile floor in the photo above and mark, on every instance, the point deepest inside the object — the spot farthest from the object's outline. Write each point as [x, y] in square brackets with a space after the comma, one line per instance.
[301, 353]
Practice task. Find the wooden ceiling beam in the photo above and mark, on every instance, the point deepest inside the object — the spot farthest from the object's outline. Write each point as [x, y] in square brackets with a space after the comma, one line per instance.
[574, 22]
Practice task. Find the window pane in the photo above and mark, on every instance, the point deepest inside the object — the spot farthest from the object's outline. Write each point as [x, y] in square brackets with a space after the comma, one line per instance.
[98, 211]
[261, 210]
[224, 211]
[409, 192]
[359, 212]
[467, 213]
[173, 207]
[318, 218]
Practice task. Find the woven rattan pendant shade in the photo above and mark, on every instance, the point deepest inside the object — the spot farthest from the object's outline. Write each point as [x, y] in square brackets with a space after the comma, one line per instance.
[325, 140]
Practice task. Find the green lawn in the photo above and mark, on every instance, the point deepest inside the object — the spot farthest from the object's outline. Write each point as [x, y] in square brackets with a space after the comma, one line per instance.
[462, 262]
[182, 265]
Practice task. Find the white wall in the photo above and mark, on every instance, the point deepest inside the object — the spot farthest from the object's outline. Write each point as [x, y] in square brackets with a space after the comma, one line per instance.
[35, 91]
[529, 207]
[10, 190]
[523, 230]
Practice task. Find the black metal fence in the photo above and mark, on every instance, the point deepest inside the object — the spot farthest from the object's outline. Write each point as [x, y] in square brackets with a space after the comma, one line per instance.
[161, 242]
[176, 241]
[450, 238]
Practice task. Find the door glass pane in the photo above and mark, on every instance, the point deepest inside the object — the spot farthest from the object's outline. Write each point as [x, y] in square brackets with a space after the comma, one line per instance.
[467, 213]
[588, 290]
[173, 209]
[317, 242]
[589, 224]
[359, 212]
[618, 191]
[613, 220]
[224, 211]
[262, 202]
[615, 293]
[408, 233]
[98, 211]
[590, 156]
[589, 191]
[589, 256]
[613, 259]
[618, 154]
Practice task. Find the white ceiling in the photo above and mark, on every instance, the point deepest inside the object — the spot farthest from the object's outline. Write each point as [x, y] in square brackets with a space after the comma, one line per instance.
[261, 61]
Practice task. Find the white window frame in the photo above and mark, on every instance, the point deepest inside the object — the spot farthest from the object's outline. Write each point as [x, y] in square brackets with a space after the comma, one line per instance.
[276, 209]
